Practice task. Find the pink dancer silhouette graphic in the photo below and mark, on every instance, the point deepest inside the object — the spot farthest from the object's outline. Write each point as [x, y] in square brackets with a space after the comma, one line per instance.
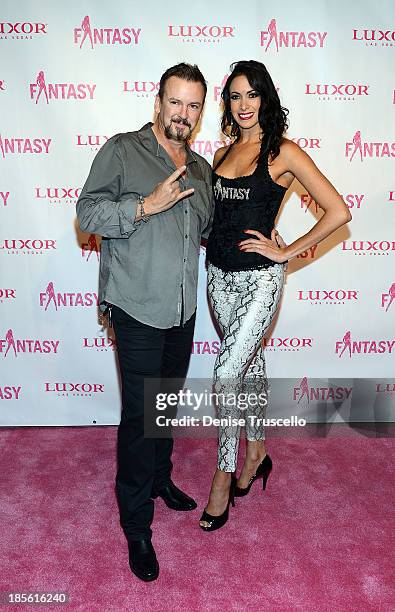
[357, 145]
[11, 343]
[347, 343]
[2, 147]
[304, 387]
[392, 295]
[42, 86]
[50, 291]
[86, 26]
[93, 246]
[272, 30]
[223, 82]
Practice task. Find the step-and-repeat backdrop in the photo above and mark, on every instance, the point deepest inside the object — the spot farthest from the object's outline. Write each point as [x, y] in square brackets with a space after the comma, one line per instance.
[73, 74]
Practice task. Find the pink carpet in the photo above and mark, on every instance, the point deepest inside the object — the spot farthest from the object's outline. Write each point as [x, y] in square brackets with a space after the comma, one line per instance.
[320, 538]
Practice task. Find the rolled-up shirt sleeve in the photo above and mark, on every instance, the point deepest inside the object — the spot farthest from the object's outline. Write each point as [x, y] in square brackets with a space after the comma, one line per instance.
[100, 209]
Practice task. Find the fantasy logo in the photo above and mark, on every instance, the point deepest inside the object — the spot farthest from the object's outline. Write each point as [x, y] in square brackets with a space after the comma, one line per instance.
[99, 343]
[234, 193]
[4, 197]
[324, 296]
[287, 344]
[280, 39]
[205, 347]
[142, 89]
[94, 141]
[66, 300]
[350, 200]
[92, 246]
[60, 91]
[35, 246]
[57, 195]
[375, 38]
[21, 30]
[326, 91]
[309, 254]
[78, 389]
[365, 347]
[7, 294]
[21, 146]
[202, 34]
[368, 149]
[10, 393]
[218, 88]
[15, 346]
[207, 147]
[368, 247]
[386, 298]
[104, 36]
[303, 391]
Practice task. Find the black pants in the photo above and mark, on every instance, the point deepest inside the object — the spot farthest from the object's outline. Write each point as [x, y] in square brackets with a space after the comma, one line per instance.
[144, 463]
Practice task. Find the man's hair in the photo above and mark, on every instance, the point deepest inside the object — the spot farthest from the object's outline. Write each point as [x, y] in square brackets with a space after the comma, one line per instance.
[188, 72]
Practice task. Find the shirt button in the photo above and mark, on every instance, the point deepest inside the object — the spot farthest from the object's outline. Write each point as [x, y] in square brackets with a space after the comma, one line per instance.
[186, 235]
[186, 212]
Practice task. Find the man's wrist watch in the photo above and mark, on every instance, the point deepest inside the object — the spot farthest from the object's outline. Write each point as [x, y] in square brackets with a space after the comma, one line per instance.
[143, 216]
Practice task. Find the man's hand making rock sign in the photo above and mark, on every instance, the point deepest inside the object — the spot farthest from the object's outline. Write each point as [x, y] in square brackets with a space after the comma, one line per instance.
[166, 194]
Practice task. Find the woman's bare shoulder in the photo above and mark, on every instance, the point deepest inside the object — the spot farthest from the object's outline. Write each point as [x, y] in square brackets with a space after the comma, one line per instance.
[288, 149]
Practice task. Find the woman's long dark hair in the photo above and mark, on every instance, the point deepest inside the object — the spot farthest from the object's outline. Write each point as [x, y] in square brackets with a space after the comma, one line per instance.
[272, 116]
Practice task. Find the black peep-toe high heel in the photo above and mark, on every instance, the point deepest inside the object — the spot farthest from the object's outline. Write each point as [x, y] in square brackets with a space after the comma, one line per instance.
[216, 522]
[264, 469]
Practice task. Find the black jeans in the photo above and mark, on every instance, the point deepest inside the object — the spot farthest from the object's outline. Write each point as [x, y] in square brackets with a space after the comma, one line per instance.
[144, 463]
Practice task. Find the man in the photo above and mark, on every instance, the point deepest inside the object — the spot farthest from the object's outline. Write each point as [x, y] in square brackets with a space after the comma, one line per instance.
[149, 196]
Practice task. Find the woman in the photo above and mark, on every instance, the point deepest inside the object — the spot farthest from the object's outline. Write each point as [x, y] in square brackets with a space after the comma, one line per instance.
[246, 260]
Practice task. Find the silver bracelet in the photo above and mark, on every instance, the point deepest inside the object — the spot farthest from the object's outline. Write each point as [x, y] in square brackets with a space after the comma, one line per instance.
[143, 216]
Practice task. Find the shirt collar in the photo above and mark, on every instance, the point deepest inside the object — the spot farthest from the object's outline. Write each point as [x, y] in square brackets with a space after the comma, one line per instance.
[149, 140]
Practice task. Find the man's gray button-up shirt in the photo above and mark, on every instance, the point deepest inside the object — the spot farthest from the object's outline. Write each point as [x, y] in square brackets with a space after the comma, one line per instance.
[149, 269]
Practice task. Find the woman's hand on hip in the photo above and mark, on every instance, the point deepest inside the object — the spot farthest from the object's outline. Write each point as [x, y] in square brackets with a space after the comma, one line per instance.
[273, 248]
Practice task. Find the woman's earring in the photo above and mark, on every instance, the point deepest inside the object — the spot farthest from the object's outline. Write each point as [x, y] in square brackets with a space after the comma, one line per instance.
[233, 127]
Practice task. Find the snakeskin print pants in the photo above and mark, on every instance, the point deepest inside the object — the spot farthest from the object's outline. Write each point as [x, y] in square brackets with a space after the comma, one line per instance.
[244, 304]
